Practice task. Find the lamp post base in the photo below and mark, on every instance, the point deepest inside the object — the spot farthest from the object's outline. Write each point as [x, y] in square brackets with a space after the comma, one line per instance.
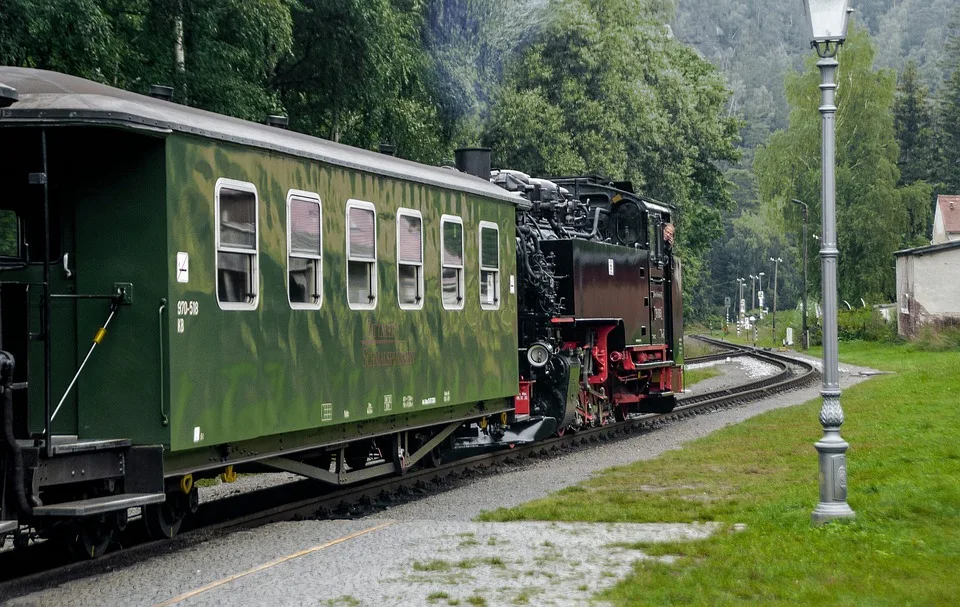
[833, 478]
[824, 513]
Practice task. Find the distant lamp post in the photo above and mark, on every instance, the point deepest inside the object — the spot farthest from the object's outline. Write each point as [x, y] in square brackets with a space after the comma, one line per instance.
[776, 264]
[805, 334]
[760, 276]
[828, 28]
[753, 292]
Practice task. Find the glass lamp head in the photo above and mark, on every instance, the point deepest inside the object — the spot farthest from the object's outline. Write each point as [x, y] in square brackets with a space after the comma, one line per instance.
[827, 20]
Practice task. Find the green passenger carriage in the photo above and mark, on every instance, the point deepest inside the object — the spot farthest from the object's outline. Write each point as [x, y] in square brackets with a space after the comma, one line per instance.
[272, 293]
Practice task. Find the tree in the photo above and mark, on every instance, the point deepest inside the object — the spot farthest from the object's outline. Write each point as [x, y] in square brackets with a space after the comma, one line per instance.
[359, 75]
[603, 88]
[873, 214]
[948, 118]
[913, 123]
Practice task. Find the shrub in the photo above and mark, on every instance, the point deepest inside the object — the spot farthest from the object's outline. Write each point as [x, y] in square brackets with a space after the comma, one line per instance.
[939, 337]
[866, 324]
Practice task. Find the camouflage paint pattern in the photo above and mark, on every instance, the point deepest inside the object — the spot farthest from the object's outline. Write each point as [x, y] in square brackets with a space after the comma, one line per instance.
[238, 375]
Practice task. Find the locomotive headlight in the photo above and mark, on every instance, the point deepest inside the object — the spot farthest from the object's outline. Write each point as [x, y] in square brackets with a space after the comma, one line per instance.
[538, 354]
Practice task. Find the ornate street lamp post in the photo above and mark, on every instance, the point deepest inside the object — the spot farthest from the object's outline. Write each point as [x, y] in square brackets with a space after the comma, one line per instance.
[828, 28]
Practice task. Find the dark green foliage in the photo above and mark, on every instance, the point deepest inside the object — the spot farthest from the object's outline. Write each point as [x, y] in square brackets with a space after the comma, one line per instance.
[756, 43]
[603, 89]
[9, 234]
[866, 324]
[874, 216]
[913, 121]
[949, 112]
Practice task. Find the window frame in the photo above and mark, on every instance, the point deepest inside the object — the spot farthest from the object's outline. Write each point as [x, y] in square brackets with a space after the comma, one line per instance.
[401, 212]
[312, 197]
[375, 290]
[242, 186]
[462, 267]
[488, 225]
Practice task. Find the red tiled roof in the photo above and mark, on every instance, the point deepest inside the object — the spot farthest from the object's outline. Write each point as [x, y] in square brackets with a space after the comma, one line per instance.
[950, 210]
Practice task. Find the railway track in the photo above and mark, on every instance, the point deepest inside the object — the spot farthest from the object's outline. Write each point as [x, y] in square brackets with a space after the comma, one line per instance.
[42, 566]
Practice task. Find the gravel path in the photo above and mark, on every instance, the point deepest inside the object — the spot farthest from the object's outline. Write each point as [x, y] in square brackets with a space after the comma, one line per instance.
[427, 552]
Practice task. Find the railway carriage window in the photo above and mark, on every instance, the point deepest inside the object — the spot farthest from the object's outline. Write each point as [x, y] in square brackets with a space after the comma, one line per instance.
[9, 234]
[237, 272]
[410, 259]
[304, 250]
[361, 255]
[451, 270]
[489, 265]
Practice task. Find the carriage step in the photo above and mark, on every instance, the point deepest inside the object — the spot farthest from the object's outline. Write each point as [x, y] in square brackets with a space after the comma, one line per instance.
[8, 526]
[66, 444]
[99, 505]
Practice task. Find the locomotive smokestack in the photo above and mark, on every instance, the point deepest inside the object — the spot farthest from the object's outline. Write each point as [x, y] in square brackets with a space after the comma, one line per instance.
[475, 161]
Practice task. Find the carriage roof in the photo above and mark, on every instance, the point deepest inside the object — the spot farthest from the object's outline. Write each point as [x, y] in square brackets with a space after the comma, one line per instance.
[53, 98]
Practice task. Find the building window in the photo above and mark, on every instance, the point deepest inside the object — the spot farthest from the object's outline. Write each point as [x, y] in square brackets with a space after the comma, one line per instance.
[361, 255]
[451, 270]
[489, 265]
[304, 250]
[238, 278]
[409, 259]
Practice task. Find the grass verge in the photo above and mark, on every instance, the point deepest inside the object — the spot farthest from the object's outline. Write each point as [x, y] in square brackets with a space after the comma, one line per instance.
[692, 376]
[904, 462]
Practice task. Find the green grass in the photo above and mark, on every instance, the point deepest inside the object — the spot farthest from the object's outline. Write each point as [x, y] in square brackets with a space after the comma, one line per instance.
[692, 376]
[904, 462]
[433, 565]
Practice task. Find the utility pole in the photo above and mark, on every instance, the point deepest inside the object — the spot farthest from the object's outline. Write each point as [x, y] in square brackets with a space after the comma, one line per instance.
[776, 265]
[753, 292]
[805, 336]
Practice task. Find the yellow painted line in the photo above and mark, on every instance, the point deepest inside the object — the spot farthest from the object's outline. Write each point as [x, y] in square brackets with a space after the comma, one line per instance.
[273, 563]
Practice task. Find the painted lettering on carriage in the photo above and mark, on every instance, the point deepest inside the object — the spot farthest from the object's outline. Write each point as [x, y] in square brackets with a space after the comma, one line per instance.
[188, 308]
[380, 333]
[387, 359]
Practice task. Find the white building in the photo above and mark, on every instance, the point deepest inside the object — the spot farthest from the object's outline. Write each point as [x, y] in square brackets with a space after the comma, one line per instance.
[946, 220]
[928, 287]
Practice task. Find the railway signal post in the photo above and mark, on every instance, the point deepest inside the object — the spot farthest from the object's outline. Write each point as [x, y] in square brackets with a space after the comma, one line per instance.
[828, 27]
